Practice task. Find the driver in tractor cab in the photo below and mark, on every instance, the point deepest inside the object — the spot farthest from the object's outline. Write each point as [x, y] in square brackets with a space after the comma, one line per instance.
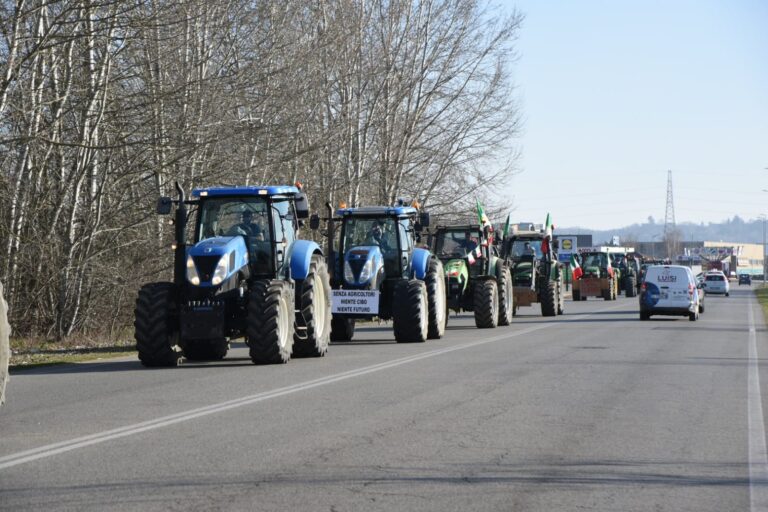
[247, 226]
[375, 237]
[468, 244]
[528, 250]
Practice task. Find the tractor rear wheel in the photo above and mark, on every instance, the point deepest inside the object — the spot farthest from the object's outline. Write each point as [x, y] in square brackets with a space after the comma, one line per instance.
[5, 348]
[269, 332]
[155, 333]
[631, 288]
[486, 304]
[312, 330]
[506, 295]
[576, 295]
[438, 303]
[342, 329]
[410, 311]
[549, 299]
[206, 350]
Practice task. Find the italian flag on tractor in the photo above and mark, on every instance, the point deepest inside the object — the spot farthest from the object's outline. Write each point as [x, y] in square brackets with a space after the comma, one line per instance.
[575, 267]
[547, 235]
[484, 223]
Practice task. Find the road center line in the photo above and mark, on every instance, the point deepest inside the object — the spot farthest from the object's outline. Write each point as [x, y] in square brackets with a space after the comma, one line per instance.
[50, 450]
[758, 455]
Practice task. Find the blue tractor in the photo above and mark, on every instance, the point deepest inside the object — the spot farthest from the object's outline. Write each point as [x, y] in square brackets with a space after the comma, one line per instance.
[378, 272]
[245, 275]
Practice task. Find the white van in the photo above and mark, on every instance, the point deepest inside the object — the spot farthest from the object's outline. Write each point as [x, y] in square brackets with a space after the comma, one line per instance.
[670, 290]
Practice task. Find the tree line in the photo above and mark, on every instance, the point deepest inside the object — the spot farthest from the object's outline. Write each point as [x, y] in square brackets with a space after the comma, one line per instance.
[104, 104]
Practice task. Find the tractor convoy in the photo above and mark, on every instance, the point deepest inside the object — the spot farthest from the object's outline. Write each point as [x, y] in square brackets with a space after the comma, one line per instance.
[241, 270]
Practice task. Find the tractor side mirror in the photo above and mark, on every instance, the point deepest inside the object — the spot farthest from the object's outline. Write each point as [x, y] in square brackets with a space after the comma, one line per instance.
[314, 222]
[302, 206]
[424, 219]
[164, 205]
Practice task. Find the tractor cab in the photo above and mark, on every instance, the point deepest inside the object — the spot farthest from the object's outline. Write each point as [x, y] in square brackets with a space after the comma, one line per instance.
[375, 244]
[463, 244]
[257, 225]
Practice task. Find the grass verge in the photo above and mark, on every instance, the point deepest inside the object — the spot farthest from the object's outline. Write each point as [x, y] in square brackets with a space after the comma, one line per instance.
[762, 298]
[25, 355]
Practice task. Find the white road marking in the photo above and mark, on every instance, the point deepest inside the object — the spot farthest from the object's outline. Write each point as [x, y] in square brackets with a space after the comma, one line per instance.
[50, 450]
[758, 455]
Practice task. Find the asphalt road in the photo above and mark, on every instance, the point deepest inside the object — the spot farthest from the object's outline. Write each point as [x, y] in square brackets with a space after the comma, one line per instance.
[594, 410]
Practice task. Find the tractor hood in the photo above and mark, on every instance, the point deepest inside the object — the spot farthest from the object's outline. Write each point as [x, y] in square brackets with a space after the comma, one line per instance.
[456, 268]
[362, 264]
[212, 261]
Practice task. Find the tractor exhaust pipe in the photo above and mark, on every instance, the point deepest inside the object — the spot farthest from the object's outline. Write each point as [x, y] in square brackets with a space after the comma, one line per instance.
[179, 257]
[331, 234]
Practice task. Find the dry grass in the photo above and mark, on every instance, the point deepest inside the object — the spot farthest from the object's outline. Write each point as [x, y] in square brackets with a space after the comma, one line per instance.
[34, 352]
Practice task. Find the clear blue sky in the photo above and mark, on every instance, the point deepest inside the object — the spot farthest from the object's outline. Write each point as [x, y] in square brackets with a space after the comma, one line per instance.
[615, 93]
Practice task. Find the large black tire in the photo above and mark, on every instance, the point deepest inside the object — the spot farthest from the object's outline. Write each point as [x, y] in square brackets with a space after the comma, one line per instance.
[560, 297]
[438, 302]
[576, 295]
[549, 299]
[506, 295]
[644, 316]
[608, 293]
[269, 332]
[206, 350]
[631, 287]
[5, 347]
[410, 311]
[486, 304]
[342, 329]
[312, 331]
[156, 332]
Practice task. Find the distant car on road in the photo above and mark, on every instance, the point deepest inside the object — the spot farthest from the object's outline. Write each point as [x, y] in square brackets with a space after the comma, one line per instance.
[716, 282]
[670, 290]
[745, 279]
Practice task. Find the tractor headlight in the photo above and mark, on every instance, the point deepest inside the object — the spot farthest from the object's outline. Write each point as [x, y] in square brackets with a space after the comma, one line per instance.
[221, 271]
[365, 273]
[192, 276]
[349, 276]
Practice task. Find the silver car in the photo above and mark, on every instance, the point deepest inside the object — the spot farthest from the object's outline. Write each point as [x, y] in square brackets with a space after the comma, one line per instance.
[716, 282]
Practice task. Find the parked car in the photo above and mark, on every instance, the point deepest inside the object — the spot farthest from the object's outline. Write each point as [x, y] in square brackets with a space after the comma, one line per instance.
[745, 279]
[670, 290]
[716, 282]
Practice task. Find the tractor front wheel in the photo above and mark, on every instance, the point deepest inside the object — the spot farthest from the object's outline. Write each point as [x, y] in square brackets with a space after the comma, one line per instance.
[410, 311]
[312, 330]
[631, 289]
[549, 300]
[342, 329]
[486, 304]
[506, 296]
[155, 333]
[438, 303]
[560, 297]
[269, 332]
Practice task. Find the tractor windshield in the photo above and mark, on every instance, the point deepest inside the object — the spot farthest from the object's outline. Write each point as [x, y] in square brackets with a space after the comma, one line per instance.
[521, 248]
[245, 216]
[455, 244]
[370, 231]
[597, 259]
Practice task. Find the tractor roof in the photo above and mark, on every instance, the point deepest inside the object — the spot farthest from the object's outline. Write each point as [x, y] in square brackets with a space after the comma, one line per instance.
[280, 190]
[458, 227]
[374, 211]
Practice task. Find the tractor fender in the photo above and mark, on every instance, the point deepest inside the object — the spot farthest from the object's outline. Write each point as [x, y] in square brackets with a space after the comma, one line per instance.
[420, 263]
[300, 257]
